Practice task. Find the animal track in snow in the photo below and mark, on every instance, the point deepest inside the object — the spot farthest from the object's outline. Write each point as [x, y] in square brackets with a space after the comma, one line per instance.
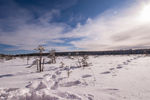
[106, 72]
[69, 84]
[86, 76]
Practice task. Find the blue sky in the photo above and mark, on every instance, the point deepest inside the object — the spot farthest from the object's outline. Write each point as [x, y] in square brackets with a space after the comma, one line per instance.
[68, 25]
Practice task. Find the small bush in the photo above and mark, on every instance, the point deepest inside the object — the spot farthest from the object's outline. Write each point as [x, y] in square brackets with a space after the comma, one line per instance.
[52, 56]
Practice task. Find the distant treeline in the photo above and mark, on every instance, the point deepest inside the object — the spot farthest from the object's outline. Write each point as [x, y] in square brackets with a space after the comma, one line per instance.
[3, 55]
[74, 53]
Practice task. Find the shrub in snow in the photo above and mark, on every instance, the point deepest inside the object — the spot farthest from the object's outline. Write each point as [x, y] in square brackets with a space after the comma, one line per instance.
[1, 58]
[22, 57]
[146, 53]
[84, 61]
[78, 60]
[62, 64]
[52, 56]
[79, 63]
[8, 57]
[69, 56]
[68, 71]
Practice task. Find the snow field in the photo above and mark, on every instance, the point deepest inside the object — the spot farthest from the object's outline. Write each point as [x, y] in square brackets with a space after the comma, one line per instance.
[120, 77]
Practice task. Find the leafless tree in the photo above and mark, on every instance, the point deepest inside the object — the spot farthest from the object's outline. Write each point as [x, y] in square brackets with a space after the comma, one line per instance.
[43, 64]
[28, 58]
[40, 49]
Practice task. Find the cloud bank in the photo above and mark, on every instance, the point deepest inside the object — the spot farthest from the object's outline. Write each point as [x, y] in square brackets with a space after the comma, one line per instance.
[114, 29]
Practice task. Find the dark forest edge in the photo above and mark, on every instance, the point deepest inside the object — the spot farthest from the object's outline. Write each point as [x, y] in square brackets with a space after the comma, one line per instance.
[74, 53]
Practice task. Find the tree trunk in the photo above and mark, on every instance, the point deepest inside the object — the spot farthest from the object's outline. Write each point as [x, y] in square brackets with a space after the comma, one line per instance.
[43, 64]
[37, 64]
[40, 64]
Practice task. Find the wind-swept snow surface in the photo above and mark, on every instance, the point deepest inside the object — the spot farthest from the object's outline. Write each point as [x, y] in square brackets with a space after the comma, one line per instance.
[121, 77]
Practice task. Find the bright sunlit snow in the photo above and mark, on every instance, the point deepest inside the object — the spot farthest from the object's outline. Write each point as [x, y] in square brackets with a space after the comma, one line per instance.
[121, 77]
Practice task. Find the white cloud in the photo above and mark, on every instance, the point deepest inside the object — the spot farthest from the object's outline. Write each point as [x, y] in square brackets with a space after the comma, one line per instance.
[27, 32]
[32, 35]
[113, 29]
[121, 30]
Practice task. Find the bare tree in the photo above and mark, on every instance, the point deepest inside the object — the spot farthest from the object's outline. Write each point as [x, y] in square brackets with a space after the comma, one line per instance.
[40, 49]
[28, 58]
[43, 64]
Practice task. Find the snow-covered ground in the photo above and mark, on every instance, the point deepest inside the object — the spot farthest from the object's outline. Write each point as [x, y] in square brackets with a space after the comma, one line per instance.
[121, 77]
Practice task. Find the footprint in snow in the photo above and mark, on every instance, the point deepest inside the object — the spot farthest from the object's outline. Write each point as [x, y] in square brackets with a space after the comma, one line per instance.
[53, 77]
[6, 75]
[11, 89]
[86, 76]
[40, 78]
[107, 72]
[125, 63]
[110, 90]
[55, 86]
[69, 96]
[111, 68]
[46, 75]
[119, 67]
[58, 72]
[128, 61]
[72, 83]
[90, 97]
